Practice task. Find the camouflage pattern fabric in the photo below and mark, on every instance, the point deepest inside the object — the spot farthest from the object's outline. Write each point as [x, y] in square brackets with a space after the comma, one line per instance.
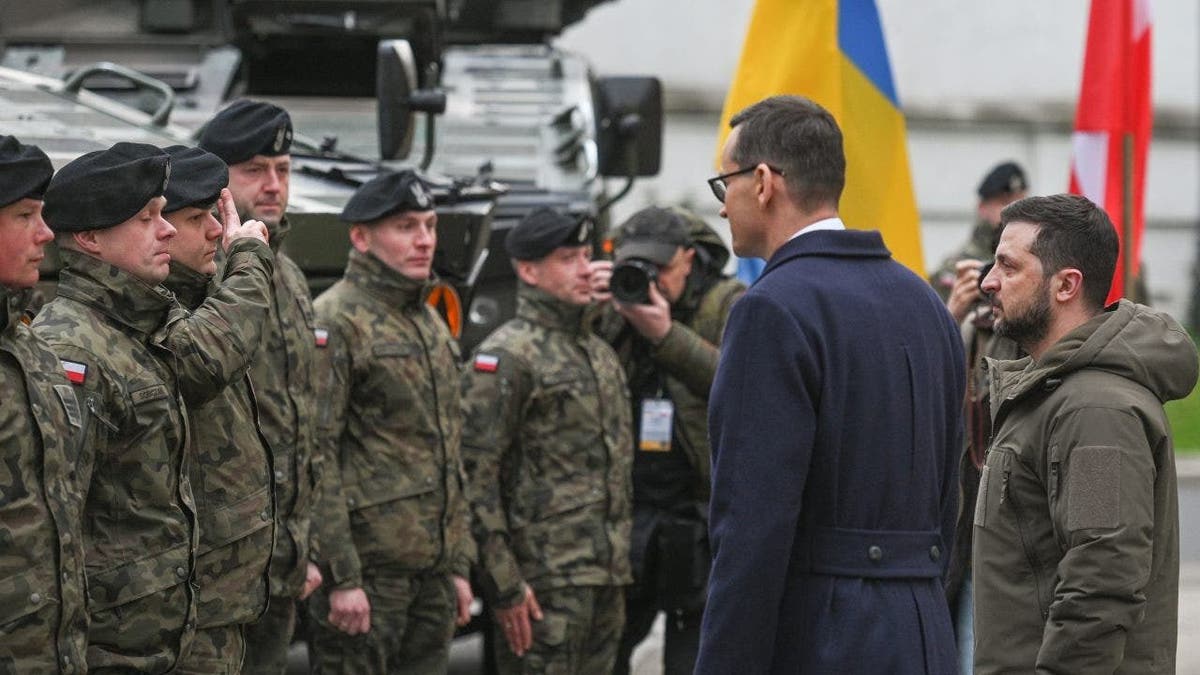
[577, 635]
[43, 619]
[412, 623]
[391, 428]
[267, 639]
[981, 246]
[214, 651]
[548, 450]
[231, 474]
[139, 528]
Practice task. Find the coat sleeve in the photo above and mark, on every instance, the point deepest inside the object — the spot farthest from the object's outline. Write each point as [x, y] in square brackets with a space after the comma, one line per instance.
[215, 344]
[689, 354]
[761, 457]
[1100, 481]
[331, 537]
[492, 405]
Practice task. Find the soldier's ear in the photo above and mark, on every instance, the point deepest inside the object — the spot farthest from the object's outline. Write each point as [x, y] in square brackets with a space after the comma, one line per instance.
[526, 271]
[360, 238]
[87, 241]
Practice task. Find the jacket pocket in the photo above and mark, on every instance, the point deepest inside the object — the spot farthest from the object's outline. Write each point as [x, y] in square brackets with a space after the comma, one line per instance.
[235, 521]
[136, 580]
[24, 594]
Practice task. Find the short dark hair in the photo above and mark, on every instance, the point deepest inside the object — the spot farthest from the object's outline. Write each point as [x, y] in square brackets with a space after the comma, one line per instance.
[801, 139]
[1072, 232]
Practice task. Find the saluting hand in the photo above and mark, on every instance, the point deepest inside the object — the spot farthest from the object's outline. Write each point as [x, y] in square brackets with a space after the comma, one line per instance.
[234, 227]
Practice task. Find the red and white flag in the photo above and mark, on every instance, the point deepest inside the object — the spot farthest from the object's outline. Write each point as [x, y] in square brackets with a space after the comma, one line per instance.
[1114, 100]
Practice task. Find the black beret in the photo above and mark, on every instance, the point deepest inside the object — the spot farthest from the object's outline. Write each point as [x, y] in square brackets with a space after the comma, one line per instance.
[197, 177]
[1006, 178]
[25, 171]
[652, 234]
[389, 192]
[248, 128]
[105, 188]
[544, 230]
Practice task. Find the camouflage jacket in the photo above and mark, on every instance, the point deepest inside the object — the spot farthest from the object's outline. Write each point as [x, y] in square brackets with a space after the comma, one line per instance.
[282, 377]
[981, 246]
[548, 449]
[231, 472]
[391, 426]
[687, 361]
[43, 619]
[139, 531]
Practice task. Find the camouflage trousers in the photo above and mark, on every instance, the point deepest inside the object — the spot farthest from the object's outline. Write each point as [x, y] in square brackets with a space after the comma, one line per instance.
[215, 651]
[412, 623]
[578, 634]
[267, 639]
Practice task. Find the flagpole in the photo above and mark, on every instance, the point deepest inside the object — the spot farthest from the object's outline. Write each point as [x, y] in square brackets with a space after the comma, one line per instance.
[1127, 215]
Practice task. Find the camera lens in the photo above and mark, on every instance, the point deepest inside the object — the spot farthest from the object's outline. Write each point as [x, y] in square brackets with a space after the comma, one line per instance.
[630, 281]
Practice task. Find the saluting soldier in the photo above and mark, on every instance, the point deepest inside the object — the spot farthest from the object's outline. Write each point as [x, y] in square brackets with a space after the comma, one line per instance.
[394, 525]
[231, 474]
[43, 621]
[548, 447]
[254, 138]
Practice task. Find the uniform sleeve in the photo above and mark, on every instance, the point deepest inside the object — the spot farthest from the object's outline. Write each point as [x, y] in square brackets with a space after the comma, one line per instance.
[493, 397]
[466, 552]
[1101, 490]
[332, 543]
[215, 344]
[761, 456]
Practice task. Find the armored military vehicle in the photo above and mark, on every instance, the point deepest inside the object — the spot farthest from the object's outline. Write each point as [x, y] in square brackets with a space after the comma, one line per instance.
[471, 90]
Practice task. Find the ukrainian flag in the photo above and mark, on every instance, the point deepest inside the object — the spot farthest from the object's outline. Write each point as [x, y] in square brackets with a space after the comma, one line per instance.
[833, 52]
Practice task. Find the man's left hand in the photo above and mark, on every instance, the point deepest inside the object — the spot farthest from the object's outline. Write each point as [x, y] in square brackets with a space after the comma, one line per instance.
[312, 579]
[652, 321]
[462, 591]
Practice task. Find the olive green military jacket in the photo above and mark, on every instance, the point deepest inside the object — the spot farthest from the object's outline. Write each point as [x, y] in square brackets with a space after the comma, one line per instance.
[43, 619]
[687, 356]
[1076, 550]
[548, 448]
[108, 329]
[283, 380]
[392, 499]
[231, 472]
[981, 246]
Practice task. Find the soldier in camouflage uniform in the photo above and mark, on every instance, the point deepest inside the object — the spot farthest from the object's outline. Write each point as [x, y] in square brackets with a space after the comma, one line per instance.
[231, 472]
[668, 347]
[548, 450]
[43, 620]
[254, 138]
[957, 279]
[394, 527]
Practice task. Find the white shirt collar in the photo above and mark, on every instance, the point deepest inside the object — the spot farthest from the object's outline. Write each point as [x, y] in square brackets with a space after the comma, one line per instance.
[833, 223]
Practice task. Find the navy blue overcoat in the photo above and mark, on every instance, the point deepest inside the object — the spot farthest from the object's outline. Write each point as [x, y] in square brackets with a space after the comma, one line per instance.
[835, 419]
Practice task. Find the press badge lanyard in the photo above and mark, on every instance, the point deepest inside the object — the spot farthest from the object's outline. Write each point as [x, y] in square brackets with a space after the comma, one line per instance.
[658, 415]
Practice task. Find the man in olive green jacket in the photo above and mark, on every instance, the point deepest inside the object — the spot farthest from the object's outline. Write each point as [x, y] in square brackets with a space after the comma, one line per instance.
[394, 527]
[43, 620]
[1076, 549]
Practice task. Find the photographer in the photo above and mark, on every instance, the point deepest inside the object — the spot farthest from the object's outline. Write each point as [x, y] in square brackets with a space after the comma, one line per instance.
[669, 303]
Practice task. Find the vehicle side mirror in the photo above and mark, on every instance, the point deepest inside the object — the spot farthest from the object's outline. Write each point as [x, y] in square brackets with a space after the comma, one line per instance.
[395, 80]
[629, 122]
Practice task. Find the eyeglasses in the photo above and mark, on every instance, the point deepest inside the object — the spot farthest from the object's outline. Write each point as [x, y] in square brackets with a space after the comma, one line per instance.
[718, 185]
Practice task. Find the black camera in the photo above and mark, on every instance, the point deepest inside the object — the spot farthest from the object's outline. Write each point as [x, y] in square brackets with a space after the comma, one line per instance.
[631, 279]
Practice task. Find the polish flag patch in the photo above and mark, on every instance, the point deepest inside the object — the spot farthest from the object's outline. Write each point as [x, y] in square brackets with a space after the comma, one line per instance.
[76, 372]
[486, 363]
[322, 336]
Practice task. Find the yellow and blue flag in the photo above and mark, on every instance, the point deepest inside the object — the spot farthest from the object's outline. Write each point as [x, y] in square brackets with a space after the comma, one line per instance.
[833, 52]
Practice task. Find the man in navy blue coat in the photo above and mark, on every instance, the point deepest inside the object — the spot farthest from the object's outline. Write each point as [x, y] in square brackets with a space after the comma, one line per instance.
[835, 420]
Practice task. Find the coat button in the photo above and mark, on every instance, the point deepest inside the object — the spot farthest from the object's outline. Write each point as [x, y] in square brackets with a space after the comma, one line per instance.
[875, 554]
[278, 475]
[265, 516]
[180, 571]
[37, 409]
[66, 538]
[35, 598]
[935, 553]
[429, 481]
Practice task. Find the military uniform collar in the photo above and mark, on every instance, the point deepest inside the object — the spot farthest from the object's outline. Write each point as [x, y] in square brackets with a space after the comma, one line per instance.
[13, 302]
[120, 296]
[278, 233]
[537, 306]
[371, 273]
[984, 238]
[189, 286]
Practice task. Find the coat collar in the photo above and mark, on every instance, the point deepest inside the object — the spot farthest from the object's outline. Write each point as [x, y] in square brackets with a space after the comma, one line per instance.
[189, 286]
[539, 307]
[12, 307]
[118, 295]
[372, 275]
[830, 244]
